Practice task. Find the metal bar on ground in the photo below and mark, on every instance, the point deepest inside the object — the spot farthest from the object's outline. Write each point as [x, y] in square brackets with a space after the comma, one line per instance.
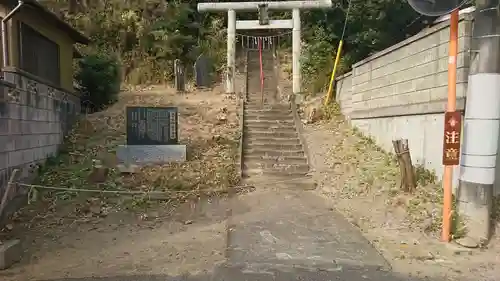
[253, 6]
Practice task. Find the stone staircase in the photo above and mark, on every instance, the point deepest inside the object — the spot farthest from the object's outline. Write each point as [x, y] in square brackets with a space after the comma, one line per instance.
[272, 149]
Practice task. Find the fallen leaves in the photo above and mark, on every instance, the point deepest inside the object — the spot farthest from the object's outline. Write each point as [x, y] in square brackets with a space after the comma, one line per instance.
[360, 168]
[208, 126]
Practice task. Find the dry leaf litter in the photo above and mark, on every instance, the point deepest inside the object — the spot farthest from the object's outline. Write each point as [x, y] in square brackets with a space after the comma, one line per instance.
[208, 125]
[363, 181]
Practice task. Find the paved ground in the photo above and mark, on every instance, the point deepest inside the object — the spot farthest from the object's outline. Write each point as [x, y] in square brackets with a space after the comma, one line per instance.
[287, 235]
[232, 274]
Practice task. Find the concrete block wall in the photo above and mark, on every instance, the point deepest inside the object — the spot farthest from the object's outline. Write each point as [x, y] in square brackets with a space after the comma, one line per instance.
[34, 117]
[401, 92]
[343, 93]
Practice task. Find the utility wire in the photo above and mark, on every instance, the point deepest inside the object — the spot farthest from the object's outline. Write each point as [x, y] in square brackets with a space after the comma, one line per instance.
[337, 57]
[345, 21]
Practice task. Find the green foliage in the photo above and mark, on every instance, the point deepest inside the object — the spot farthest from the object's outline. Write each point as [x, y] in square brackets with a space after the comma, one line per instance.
[148, 35]
[331, 110]
[371, 27]
[99, 78]
[318, 61]
[317, 58]
[424, 176]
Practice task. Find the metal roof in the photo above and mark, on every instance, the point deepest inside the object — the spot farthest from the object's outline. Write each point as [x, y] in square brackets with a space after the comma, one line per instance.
[53, 19]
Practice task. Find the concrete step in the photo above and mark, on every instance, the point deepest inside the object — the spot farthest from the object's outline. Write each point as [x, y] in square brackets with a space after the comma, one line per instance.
[258, 106]
[267, 126]
[268, 108]
[273, 146]
[254, 91]
[272, 172]
[269, 133]
[257, 140]
[266, 67]
[284, 111]
[266, 61]
[270, 152]
[267, 79]
[285, 167]
[269, 82]
[249, 121]
[269, 116]
[257, 103]
[301, 183]
[271, 130]
[275, 159]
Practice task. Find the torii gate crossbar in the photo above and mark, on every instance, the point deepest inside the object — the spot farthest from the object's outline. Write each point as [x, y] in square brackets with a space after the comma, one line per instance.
[232, 25]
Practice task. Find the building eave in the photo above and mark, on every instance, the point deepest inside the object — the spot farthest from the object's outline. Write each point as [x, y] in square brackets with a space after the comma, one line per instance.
[52, 18]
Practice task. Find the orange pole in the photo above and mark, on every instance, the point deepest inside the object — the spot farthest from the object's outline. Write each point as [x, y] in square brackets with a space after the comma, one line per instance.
[452, 100]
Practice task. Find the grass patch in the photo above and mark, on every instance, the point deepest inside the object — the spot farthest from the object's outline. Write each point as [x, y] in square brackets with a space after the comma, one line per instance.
[211, 167]
[331, 111]
[377, 170]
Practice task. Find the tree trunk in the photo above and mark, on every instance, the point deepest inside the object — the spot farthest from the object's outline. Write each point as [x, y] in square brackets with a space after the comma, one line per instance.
[402, 150]
[72, 7]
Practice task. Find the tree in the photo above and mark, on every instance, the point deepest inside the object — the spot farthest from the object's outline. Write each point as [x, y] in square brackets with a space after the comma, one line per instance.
[148, 35]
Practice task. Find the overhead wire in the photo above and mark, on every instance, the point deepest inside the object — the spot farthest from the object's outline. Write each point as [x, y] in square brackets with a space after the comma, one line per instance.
[345, 21]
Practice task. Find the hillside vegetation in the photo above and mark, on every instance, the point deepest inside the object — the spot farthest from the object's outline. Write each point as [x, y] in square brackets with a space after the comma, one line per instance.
[148, 35]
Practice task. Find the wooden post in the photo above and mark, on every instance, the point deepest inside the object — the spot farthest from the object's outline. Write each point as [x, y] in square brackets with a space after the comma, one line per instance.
[402, 150]
[180, 83]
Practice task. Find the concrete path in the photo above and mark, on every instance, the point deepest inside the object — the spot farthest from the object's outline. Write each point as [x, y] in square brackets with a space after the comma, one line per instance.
[295, 228]
[287, 235]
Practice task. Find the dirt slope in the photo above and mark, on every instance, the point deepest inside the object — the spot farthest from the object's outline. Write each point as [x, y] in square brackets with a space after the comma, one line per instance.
[361, 180]
[81, 234]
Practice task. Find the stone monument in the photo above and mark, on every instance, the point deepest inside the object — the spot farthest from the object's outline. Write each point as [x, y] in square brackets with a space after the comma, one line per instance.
[152, 137]
[180, 78]
[202, 72]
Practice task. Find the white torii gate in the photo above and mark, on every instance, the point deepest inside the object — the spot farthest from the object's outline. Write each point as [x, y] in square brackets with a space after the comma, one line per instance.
[233, 25]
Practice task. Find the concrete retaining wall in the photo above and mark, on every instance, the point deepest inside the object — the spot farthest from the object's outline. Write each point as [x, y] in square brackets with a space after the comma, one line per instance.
[34, 118]
[401, 92]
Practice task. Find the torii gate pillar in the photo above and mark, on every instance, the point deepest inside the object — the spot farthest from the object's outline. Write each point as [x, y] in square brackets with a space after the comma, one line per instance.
[231, 51]
[232, 7]
[296, 51]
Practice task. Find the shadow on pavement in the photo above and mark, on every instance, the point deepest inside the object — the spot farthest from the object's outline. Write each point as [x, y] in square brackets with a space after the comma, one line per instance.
[235, 273]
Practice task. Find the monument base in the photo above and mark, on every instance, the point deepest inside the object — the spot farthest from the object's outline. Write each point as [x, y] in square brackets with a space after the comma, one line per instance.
[142, 155]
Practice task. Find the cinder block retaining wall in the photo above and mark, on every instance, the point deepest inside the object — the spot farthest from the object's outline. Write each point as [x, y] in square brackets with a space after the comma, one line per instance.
[401, 92]
[34, 117]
